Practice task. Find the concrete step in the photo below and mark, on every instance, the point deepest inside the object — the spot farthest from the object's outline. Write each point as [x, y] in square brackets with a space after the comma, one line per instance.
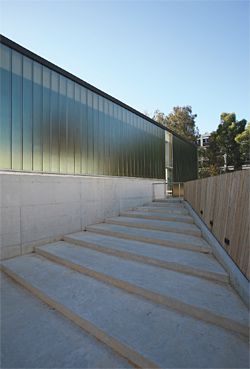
[195, 263]
[160, 225]
[172, 200]
[152, 236]
[147, 334]
[158, 216]
[159, 210]
[166, 205]
[202, 299]
[35, 336]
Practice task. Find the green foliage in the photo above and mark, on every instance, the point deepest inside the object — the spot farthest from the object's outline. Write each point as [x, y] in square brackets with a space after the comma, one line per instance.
[225, 137]
[181, 121]
[231, 139]
[209, 159]
[243, 139]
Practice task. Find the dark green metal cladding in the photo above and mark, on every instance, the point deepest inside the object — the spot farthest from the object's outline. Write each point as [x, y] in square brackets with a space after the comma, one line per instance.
[185, 165]
[50, 123]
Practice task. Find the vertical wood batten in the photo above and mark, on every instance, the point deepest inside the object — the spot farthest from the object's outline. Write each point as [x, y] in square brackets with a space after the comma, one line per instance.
[224, 201]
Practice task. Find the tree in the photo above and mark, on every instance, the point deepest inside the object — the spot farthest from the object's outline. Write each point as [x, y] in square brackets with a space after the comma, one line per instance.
[225, 137]
[230, 139]
[160, 117]
[210, 159]
[181, 120]
[243, 139]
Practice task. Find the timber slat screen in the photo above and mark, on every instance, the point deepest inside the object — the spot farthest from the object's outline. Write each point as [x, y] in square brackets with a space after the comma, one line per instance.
[223, 204]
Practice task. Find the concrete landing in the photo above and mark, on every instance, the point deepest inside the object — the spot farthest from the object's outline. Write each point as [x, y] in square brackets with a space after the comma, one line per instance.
[148, 334]
[160, 225]
[206, 300]
[152, 236]
[33, 335]
[158, 216]
[195, 263]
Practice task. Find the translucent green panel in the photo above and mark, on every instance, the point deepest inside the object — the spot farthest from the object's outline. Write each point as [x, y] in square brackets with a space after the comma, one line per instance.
[62, 124]
[101, 135]
[95, 127]
[84, 132]
[5, 107]
[107, 138]
[77, 125]
[50, 123]
[37, 117]
[70, 127]
[184, 161]
[27, 110]
[90, 153]
[115, 141]
[111, 139]
[16, 113]
[55, 122]
[46, 119]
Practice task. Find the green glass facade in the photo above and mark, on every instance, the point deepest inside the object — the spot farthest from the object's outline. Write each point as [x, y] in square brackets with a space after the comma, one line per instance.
[185, 161]
[52, 122]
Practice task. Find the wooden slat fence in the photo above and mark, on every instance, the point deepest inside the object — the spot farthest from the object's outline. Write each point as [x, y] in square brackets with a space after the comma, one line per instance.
[223, 203]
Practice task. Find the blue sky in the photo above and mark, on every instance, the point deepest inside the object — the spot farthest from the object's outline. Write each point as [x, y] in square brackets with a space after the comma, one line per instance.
[149, 54]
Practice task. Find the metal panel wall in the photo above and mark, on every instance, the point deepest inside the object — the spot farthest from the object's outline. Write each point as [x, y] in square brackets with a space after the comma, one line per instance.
[185, 164]
[50, 123]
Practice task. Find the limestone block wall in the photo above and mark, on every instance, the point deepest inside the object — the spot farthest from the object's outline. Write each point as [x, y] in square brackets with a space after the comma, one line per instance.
[39, 208]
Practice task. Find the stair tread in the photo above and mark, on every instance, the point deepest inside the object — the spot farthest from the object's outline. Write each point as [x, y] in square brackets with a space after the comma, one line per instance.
[151, 330]
[162, 210]
[194, 260]
[165, 204]
[202, 294]
[162, 225]
[153, 236]
[161, 216]
[51, 340]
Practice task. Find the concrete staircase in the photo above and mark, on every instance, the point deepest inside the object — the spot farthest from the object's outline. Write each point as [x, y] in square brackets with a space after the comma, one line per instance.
[147, 285]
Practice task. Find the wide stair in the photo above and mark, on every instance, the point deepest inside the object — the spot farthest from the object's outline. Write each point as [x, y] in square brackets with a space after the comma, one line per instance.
[147, 285]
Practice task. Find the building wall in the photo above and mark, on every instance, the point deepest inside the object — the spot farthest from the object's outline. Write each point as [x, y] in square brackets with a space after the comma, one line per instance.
[185, 161]
[50, 123]
[37, 208]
